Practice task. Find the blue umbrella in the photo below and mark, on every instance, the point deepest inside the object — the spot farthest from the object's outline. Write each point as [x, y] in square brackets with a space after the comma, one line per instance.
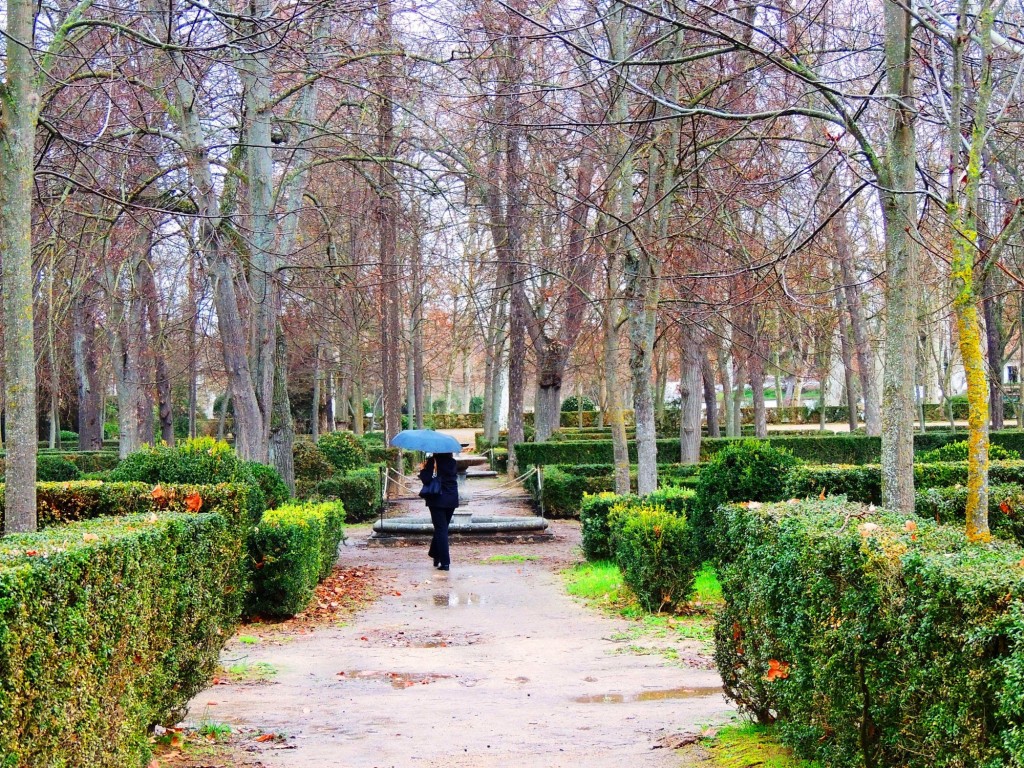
[426, 440]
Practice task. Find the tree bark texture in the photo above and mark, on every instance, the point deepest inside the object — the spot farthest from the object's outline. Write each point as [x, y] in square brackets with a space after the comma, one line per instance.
[20, 104]
[899, 214]
[690, 393]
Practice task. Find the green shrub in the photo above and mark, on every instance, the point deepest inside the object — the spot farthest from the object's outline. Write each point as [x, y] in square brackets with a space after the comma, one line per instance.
[575, 404]
[595, 529]
[748, 470]
[106, 628]
[949, 507]
[269, 481]
[67, 436]
[359, 491]
[310, 462]
[655, 550]
[566, 484]
[293, 548]
[958, 452]
[201, 461]
[343, 450]
[595, 510]
[53, 467]
[873, 638]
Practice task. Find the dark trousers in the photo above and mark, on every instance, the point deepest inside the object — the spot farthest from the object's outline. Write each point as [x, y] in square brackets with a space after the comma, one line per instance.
[440, 517]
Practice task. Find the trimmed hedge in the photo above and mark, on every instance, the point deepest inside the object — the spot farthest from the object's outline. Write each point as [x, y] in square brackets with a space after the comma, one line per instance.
[595, 510]
[60, 503]
[107, 628]
[874, 639]
[55, 468]
[949, 507]
[343, 449]
[749, 470]
[201, 461]
[826, 449]
[270, 482]
[310, 462]
[85, 461]
[565, 485]
[958, 452]
[359, 491]
[864, 483]
[293, 548]
[654, 550]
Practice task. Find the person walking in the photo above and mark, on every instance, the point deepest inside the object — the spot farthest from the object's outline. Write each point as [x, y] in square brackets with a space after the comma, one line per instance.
[442, 504]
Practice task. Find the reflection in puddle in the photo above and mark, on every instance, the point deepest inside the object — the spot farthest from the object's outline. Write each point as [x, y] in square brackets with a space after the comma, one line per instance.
[458, 598]
[671, 693]
[396, 679]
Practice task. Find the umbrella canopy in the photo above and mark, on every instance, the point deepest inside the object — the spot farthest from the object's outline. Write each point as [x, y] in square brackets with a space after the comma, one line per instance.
[426, 440]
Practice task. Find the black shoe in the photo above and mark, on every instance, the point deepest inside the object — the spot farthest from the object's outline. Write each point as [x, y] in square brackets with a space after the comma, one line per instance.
[443, 567]
[437, 563]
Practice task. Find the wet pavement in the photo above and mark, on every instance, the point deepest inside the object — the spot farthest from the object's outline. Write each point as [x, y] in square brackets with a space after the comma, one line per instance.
[489, 664]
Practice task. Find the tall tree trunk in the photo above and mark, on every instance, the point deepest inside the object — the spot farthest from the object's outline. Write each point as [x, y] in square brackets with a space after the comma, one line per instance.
[899, 214]
[387, 217]
[282, 430]
[17, 148]
[844, 346]
[725, 376]
[613, 395]
[710, 395]
[159, 347]
[83, 346]
[990, 305]
[690, 386]
[314, 414]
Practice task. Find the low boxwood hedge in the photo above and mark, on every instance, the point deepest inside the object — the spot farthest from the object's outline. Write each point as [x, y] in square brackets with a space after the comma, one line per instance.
[107, 628]
[873, 638]
[843, 448]
[358, 490]
[864, 483]
[566, 484]
[293, 548]
[949, 507]
[595, 511]
[59, 503]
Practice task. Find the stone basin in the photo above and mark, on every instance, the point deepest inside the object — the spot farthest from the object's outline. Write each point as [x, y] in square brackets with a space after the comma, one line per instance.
[464, 525]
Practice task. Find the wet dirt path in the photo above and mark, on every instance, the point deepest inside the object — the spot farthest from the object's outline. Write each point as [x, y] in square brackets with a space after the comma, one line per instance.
[490, 664]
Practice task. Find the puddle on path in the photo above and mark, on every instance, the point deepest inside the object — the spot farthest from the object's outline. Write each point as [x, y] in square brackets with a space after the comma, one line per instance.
[450, 599]
[412, 638]
[664, 695]
[395, 679]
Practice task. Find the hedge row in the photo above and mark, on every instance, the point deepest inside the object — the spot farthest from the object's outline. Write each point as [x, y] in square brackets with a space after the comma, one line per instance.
[107, 628]
[864, 483]
[358, 490]
[873, 639]
[565, 485]
[59, 503]
[294, 547]
[826, 449]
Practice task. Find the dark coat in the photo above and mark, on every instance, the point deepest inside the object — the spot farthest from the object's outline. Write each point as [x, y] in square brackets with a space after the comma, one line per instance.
[447, 472]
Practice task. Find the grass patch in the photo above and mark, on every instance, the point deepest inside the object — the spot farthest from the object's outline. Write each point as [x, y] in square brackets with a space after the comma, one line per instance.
[707, 590]
[745, 745]
[598, 582]
[510, 558]
[244, 672]
[213, 731]
[248, 639]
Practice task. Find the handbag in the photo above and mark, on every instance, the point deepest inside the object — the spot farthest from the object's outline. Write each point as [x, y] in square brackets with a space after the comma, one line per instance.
[431, 487]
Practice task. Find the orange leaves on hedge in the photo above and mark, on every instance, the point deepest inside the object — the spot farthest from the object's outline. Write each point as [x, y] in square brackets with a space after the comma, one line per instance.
[161, 497]
[777, 670]
[1005, 507]
[194, 501]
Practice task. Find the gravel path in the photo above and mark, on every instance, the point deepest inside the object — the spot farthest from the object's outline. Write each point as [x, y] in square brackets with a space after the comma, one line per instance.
[491, 664]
